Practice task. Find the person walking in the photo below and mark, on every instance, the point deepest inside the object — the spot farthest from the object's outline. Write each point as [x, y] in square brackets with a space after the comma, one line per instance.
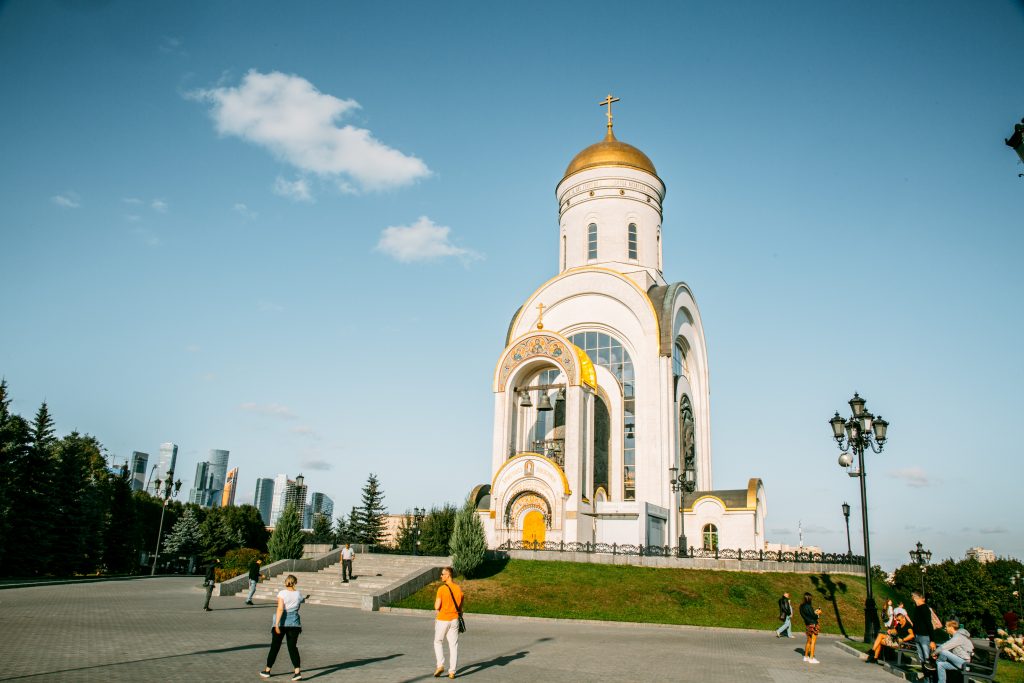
[254, 578]
[921, 619]
[448, 603]
[786, 615]
[347, 555]
[810, 616]
[287, 626]
[209, 582]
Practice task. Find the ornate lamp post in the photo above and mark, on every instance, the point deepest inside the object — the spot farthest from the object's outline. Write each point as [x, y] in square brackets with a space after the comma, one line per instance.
[169, 485]
[861, 431]
[846, 514]
[1016, 141]
[682, 484]
[417, 518]
[922, 558]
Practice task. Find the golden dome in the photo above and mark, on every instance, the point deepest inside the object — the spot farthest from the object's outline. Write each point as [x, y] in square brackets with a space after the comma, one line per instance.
[610, 152]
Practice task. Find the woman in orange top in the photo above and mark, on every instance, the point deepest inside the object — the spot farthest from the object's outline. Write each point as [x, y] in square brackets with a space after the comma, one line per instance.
[448, 604]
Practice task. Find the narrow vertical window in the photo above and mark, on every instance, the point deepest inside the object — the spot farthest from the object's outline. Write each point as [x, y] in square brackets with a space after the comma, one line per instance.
[632, 240]
[563, 252]
[592, 241]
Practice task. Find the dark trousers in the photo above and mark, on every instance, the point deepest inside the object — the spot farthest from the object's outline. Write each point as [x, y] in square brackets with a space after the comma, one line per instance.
[292, 634]
[209, 592]
[346, 570]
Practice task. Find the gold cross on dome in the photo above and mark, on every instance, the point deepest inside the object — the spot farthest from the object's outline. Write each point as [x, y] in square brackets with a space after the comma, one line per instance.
[540, 316]
[607, 102]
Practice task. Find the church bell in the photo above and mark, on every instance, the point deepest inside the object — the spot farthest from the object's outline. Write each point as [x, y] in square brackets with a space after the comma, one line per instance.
[524, 400]
[545, 403]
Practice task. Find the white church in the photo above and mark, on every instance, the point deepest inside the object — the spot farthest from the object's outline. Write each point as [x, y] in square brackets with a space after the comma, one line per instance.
[601, 395]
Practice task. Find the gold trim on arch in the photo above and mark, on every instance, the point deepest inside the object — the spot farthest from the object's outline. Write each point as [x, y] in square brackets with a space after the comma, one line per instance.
[579, 269]
[722, 502]
[584, 374]
[565, 480]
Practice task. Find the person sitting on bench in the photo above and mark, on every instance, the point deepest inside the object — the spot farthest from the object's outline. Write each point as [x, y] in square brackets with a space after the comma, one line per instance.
[955, 652]
[901, 632]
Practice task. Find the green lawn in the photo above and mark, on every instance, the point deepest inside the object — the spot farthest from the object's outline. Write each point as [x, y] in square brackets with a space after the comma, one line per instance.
[665, 596]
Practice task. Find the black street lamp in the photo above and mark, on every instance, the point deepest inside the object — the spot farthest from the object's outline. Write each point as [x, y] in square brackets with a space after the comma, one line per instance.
[1017, 586]
[682, 484]
[846, 514]
[169, 485]
[417, 517]
[922, 558]
[858, 433]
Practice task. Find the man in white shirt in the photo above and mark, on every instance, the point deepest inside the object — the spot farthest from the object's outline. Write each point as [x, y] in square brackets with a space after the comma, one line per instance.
[347, 554]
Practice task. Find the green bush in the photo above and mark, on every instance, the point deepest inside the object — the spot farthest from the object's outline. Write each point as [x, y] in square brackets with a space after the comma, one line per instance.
[237, 562]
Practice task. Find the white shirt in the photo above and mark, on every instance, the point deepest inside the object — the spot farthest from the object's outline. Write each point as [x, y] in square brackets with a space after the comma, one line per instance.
[291, 599]
[347, 553]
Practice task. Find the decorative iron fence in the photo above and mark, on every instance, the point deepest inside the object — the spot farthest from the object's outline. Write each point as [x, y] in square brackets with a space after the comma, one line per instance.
[698, 553]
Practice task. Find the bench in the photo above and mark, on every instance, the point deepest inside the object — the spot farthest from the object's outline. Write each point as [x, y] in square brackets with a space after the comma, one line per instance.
[983, 664]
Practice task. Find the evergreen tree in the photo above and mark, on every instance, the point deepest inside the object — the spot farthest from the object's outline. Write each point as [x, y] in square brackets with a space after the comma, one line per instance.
[80, 505]
[186, 536]
[32, 519]
[322, 532]
[436, 530]
[287, 541]
[246, 523]
[121, 553]
[469, 542]
[218, 536]
[368, 526]
[405, 537]
[343, 528]
[13, 447]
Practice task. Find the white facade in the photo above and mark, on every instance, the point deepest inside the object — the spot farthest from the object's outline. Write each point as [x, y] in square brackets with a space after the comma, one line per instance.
[277, 502]
[619, 355]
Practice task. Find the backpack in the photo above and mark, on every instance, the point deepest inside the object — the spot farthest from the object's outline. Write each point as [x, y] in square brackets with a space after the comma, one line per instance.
[936, 622]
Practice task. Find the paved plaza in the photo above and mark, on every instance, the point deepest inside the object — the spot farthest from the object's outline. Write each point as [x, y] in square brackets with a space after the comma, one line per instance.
[155, 630]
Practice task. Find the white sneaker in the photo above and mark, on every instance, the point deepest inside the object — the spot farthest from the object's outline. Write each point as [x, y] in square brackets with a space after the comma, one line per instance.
[812, 660]
[806, 658]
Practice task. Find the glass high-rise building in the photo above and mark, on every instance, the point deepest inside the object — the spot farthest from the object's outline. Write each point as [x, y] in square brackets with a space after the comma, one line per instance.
[167, 462]
[264, 498]
[227, 499]
[200, 493]
[280, 489]
[140, 461]
[320, 504]
[296, 495]
[218, 474]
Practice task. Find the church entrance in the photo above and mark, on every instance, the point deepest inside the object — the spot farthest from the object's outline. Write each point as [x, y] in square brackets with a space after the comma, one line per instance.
[533, 527]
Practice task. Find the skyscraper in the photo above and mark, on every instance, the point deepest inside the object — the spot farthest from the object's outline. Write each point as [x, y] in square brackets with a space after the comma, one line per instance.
[218, 474]
[280, 489]
[140, 461]
[168, 460]
[200, 493]
[296, 495]
[264, 498]
[320, 504]
[227, 499]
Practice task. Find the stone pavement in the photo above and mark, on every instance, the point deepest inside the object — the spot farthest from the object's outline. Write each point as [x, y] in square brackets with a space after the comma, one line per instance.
[155, 630]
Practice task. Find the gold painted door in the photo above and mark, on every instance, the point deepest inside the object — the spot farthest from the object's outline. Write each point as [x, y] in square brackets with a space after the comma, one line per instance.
[533, 527]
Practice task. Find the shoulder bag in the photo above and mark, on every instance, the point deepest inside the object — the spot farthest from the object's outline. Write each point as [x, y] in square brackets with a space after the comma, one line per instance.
[458, 608]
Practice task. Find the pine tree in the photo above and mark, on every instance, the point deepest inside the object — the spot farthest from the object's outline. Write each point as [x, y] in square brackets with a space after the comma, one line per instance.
[404, 538]
[369, 525]
[33, 517]
[186, 536]
[321, 528]
[80, 505]
[469, 542]
[287, 541]
[121, 552]
[342, 534]
[436, 530]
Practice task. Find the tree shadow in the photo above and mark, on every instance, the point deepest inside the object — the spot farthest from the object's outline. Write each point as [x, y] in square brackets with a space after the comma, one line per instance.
[824, 585]
[501, 660]
[490, 568]
[341, 666]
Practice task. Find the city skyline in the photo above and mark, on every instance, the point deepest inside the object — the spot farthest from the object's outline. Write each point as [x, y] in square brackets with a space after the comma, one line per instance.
[304, 241]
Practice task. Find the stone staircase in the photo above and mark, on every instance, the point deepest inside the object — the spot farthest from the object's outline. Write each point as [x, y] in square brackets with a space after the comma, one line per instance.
[373, 575]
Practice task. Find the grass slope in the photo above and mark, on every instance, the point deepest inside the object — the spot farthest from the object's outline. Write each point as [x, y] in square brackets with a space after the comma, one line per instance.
[664, 596]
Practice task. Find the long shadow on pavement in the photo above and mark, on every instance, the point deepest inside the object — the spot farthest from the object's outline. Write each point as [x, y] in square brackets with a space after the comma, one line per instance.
[217, 651]
[326, 670]
[476, 667]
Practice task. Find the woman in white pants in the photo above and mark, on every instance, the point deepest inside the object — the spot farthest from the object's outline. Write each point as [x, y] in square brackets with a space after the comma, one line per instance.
[448, 603]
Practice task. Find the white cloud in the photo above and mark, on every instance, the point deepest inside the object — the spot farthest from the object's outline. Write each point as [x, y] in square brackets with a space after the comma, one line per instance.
[290, 117]
[245, 211]
[297, 190]
[132, 200]
[993, 530]
[305, 430]
[172, 45]
[269, 410]
[421, 241]
[68, 200]
[915, 477]
[159, 205]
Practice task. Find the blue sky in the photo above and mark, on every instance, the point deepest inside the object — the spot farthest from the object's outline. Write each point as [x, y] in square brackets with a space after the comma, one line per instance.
[298, 231]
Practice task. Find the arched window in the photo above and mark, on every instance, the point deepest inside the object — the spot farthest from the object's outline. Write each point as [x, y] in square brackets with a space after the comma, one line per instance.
[687, 447]
[632, 240]
[608, 352]
[710, 534]
[678, 359]
[592, 241]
